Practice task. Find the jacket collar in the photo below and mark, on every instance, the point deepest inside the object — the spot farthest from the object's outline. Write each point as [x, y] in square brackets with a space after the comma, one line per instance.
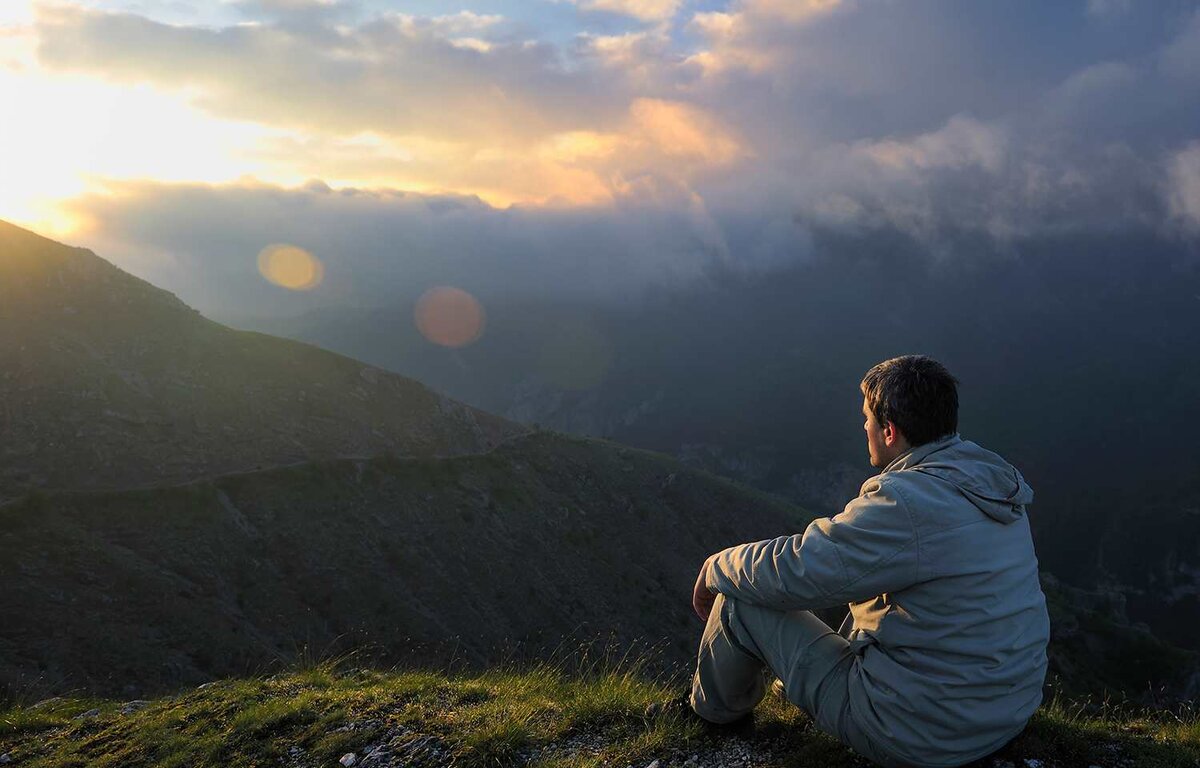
[914, 456]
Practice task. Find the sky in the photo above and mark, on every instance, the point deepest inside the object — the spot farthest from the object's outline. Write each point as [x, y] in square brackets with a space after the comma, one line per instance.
[581, 147]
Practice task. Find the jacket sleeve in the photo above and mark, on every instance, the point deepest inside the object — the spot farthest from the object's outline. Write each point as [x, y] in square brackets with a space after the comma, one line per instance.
[870, 548]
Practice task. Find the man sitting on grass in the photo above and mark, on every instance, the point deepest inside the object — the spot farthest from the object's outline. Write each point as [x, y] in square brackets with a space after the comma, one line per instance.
[942, 657]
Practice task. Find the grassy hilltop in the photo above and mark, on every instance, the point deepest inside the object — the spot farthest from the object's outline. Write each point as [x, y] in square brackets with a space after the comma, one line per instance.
[537, 717]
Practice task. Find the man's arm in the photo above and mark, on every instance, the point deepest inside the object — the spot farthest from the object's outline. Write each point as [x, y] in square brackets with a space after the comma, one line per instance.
[870, 548]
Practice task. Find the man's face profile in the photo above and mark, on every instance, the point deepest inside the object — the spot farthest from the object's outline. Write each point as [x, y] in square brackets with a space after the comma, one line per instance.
[876, 443]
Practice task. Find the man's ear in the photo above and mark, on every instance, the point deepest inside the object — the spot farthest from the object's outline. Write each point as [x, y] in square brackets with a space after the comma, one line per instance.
[891, 434]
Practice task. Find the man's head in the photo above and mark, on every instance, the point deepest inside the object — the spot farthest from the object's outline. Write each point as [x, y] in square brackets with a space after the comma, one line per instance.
[907, 401]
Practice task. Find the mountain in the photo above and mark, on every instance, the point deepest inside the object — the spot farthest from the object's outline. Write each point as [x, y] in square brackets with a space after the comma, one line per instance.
[185, 500]
[143, 548]
[1075, 356]
[520, 554]
[543, 540]
[109, 382]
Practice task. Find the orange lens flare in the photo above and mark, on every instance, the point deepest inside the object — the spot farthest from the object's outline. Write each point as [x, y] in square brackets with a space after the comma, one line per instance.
[449, 316]
[291, 267]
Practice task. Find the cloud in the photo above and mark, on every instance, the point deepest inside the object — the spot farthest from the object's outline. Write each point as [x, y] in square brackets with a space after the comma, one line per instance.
[1181, 58]
[421, 103]
[1108, 8]
[381, 246]
[745, 127]
[1184, 186]
[961, 143]
[657, 144]
[643, 10]
[754, 34]
[394, 74]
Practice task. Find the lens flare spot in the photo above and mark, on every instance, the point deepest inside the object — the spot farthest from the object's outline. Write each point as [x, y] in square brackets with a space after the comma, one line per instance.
[449, 316]
[290, 266]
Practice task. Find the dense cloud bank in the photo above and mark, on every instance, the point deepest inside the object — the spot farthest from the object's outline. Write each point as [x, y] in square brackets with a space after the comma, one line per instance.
[687, 140]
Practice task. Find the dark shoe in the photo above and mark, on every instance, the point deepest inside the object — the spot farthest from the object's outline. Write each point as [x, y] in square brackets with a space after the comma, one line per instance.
[681, 707]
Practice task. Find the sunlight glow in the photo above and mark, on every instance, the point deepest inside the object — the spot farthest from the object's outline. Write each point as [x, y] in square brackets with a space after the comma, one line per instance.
[70, 137]
[63, 135]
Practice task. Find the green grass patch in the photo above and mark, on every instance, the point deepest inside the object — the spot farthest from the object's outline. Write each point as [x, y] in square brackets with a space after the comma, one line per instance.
[538, 716]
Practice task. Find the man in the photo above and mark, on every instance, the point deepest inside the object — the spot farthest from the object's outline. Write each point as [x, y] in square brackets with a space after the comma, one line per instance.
[942, 657]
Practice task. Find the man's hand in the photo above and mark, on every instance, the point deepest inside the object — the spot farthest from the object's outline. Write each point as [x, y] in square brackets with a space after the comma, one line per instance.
[702, 598]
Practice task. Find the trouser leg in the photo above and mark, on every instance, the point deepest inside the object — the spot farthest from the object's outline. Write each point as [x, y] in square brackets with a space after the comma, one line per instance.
[744, 645]
[729, 679]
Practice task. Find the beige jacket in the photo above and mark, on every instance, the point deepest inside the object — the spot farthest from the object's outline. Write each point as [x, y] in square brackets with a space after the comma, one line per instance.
[949, 623]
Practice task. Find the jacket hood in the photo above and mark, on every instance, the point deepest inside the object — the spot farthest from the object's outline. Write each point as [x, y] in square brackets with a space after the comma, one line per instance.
[983, 477]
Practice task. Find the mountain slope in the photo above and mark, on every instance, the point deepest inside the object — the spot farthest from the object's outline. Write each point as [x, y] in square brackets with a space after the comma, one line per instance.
[486, 541]
[544, 539]
[515, 554]
[109, 382]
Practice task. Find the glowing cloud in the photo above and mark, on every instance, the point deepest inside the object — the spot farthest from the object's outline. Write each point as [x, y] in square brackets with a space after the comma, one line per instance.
[644, 10]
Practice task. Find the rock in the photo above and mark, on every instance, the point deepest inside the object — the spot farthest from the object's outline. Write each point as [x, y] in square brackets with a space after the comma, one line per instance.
[348, 759]
[5, 759]
[133, 706]
[377, 755]
[46, 702]
[1033, 763]
[653, 765]
[87, 715]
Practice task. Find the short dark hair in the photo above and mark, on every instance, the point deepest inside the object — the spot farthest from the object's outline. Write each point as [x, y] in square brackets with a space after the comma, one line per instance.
[916, 393]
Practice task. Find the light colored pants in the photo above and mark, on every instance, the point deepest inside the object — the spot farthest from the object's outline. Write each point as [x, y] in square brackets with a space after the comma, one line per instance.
[744, 645]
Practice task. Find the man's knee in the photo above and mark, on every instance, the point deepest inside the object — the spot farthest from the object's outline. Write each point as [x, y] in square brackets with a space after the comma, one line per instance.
[734, 627]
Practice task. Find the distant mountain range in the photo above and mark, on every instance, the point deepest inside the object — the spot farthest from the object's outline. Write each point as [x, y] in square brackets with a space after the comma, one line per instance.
[187, 501]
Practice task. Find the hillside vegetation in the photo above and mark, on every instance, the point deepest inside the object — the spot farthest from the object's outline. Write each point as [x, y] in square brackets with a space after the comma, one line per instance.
[537, 717]
[544, 538]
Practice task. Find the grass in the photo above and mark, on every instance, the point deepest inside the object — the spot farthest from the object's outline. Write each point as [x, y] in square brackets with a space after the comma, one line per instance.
[539, 715]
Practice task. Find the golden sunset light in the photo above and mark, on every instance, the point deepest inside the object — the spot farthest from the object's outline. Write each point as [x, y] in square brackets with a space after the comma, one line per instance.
[66, 133]
[81, 114]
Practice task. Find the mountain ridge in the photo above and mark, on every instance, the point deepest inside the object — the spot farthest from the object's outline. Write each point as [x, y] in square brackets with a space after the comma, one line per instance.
[129, 386]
